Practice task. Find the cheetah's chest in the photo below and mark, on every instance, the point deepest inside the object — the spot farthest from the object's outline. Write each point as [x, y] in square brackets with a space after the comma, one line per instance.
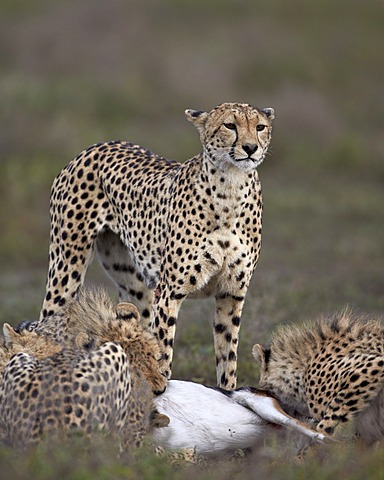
[224, 259]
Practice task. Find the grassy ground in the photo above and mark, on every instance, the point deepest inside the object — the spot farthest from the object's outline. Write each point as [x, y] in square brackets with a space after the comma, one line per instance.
[76, 73]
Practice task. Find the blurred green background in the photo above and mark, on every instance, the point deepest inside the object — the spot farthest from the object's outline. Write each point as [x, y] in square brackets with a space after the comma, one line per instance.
[75, 73]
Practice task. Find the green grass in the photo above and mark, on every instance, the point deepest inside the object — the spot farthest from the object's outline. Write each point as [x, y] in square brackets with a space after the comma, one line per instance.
[77, 73]
[78, 458]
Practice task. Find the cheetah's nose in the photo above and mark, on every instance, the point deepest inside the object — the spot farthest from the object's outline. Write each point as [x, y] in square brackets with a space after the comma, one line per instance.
[249, 148]
[159, 392]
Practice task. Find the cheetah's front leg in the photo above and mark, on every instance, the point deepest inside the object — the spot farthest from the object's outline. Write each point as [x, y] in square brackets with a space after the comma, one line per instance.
[165, 313]
[226, 337]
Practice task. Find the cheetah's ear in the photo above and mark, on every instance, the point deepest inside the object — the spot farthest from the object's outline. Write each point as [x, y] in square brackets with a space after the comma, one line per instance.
[10, 336]
[127, 311]
[158, 420]
[197, 117]
[269, 112]
[83, 340]
[261, 355]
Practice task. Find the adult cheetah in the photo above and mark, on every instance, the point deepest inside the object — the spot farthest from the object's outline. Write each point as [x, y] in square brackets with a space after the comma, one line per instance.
[165, 231]
[332, 369]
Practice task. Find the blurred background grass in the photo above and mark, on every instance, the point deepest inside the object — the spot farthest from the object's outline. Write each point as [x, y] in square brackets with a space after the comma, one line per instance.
[75, 73]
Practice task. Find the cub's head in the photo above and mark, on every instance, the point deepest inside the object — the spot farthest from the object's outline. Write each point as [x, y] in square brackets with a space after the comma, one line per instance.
[95, 320]
[36, 345]
[234, 134]
[280, 375]
[141, 346]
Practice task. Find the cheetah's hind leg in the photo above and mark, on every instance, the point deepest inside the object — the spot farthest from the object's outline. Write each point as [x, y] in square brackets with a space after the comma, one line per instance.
[119, 266]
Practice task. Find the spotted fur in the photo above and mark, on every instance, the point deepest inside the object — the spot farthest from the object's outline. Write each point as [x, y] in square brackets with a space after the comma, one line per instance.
[64, 391]
[331, 369]
[31, 343]
[100, 375]
[93, 319]
[165, 230]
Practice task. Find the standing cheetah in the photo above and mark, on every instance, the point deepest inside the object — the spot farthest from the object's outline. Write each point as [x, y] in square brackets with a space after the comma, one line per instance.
[332, 370]
[165, 231]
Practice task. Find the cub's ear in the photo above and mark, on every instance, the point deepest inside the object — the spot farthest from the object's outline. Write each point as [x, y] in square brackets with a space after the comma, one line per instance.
[269, 112]
[10, 336]
[261, 355]
[127, 311]
[83, 340]
[258, 352]
[197, 117]
[158, 420]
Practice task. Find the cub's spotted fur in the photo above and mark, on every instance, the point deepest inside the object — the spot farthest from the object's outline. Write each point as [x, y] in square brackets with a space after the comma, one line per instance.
[31, 343]
[330, 369]
[165, 230]
[99, 375]
[93, 319]
[64, 392]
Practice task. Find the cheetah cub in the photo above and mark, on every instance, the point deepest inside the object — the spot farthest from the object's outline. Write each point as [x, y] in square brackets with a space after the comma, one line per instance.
[92, 367]
[165, 230]
[331, 369]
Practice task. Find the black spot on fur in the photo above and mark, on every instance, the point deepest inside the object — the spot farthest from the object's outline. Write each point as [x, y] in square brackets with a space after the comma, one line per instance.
[220, 328]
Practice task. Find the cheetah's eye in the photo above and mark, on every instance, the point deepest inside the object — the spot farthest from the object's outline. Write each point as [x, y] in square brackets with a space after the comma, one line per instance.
[230, 126]
[260, 127]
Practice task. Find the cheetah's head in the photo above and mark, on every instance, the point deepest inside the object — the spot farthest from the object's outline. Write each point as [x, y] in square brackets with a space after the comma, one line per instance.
[39, 346]
[276, 375]
[143, 350]
[94, 320]
[234, 134]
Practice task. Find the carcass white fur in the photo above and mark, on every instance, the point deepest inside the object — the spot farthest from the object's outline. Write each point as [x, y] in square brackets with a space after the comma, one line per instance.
[212, 421]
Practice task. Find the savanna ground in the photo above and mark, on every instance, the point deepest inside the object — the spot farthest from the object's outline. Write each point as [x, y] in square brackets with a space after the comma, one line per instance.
[75, 73]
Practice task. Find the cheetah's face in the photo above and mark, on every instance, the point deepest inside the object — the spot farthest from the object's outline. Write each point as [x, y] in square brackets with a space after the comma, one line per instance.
[144, 353]
[149, 367]
[234, 134]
